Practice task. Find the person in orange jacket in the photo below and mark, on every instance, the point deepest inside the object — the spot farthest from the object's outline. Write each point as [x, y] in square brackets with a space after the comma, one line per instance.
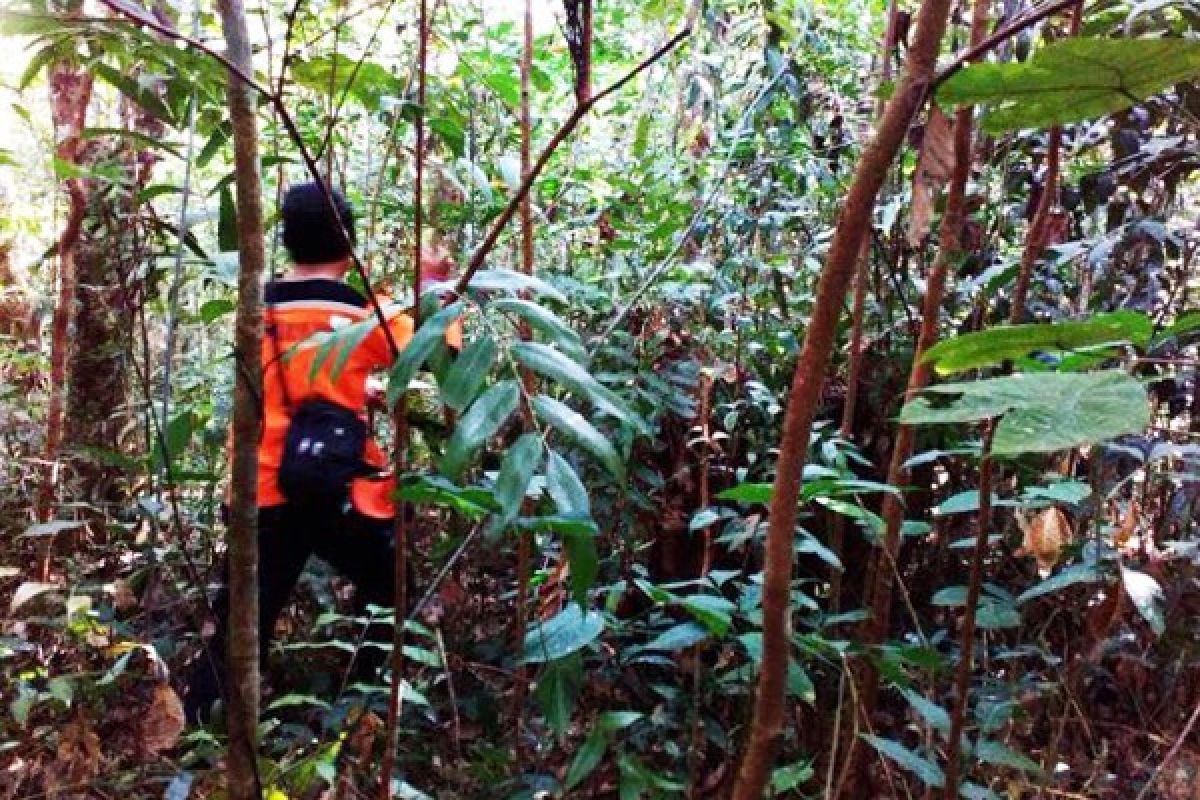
[354, 537]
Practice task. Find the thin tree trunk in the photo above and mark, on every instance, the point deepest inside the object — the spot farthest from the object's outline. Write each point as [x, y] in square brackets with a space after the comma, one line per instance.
[401, 432]
[892, 513]
[1037, 228]
[1035, 240]
[966, 646]
[525, 218]
[759, 750]
[70, 94]
[243, 682]
[855, 348]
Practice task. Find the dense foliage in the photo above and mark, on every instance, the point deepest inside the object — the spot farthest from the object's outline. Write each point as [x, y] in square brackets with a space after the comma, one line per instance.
[615, 417]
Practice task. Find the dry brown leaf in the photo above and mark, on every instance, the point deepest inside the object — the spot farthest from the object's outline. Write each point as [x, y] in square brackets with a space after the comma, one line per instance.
[934, 165]
[163, 721]
[1123, 533]
[1045, 537]
[77, 759]
[123, 597]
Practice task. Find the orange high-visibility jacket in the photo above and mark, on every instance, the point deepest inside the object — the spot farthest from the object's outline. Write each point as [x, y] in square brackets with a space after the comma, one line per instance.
[298, 309]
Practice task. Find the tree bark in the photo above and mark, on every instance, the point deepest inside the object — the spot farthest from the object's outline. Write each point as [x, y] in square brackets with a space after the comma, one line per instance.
[892, 512]
[243, 682]
[400, 426]
[807, 382]
[525, 219]
[854, 347]
[1035, 240]
[966, 647]
[70, 94]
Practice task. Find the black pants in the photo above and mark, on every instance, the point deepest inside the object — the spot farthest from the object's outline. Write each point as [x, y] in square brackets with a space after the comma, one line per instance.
[357, 546]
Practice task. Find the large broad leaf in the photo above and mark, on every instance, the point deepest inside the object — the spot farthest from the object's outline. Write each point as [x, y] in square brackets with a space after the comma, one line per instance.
[371, 81]
[1072, 80]
[566, 489]
[419, 348]
[546, 323]
[516, 471]
[463, 380]
[1040, 413]
[481, 421]
[1007, 342]
[566, 632]
[550, 363]
[1079, 573]
[577, 429]
[510, 281]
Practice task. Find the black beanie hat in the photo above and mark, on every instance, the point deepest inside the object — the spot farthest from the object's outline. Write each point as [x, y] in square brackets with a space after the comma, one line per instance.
[310, 231]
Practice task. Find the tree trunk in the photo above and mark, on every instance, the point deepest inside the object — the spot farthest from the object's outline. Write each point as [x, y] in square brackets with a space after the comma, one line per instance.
[243, 782]
[892, 512]
[70, 93]
[758, 753]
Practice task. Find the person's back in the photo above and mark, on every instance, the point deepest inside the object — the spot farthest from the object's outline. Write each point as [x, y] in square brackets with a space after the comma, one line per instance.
[354, 535]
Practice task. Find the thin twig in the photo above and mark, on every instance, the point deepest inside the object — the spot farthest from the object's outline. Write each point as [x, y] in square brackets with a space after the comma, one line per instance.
[1187, 730]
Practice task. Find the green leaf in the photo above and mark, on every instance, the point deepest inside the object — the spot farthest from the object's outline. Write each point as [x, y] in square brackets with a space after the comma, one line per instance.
[1008, 342]
[514, 282]
[920, 766]
[936, 716]
[973, 791]
[950, 596]
[612, 721]
[991, 615]
[1072, 80]
[990, 751]
[583, 560]
[345, 340]
[419, 347]
[575, 428]
[371, 81]
[587, 758]
[545, 322]
[212, 310]
[565, 488]
[563, 524]
[227, 239]
[437, 491]
[468, 372]
[1078, 573]
[1041, 413]
[747, 493]
[678, 637]
[786, 779]
[712, 611]
[482, 420]
[516, 471]
[568, 631]
[557, 688]
[1070, 492]
[297, 700]
[550, 363]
